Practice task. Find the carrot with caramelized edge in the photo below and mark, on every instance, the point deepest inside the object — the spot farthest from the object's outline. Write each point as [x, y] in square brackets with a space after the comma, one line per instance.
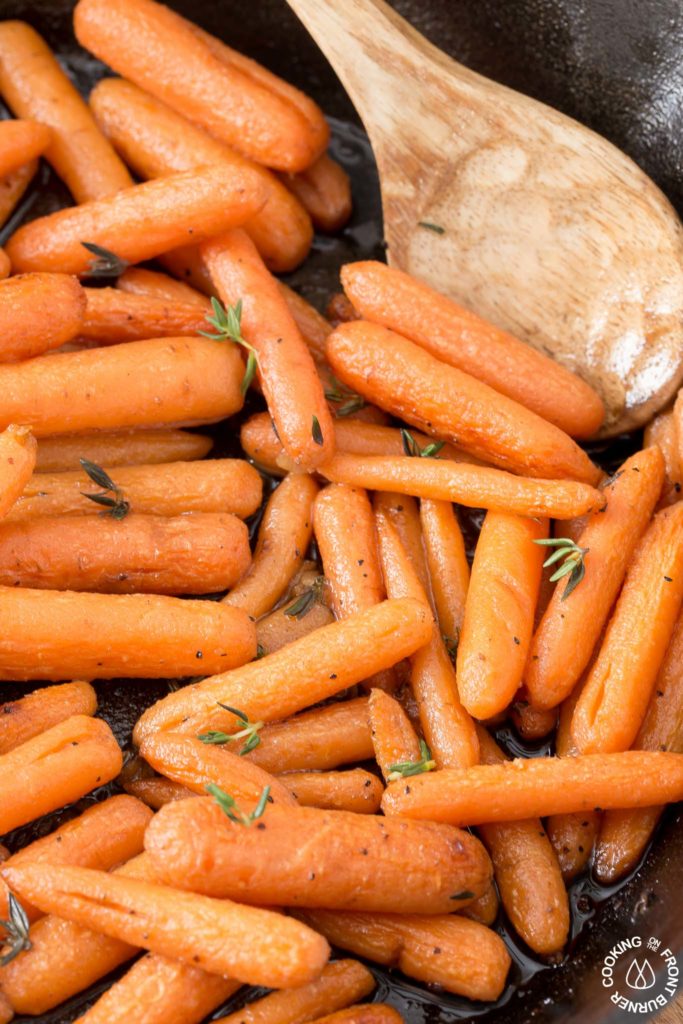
[120, 448]
[662, 432]
[609, 539]
[17, 459]
[12, 188]
[157, 791]
[364, 1013]
[615, 695]
[324, 190]
[249, 944]
[449, 571]
[55, 768]
[286, 370]
[280, 627]
[393, 738]
[140, 281]
[113, 316]
[21, 720]
[20, 142]
[38, 312]
[439, 399]
[356, 790]
[52, 634]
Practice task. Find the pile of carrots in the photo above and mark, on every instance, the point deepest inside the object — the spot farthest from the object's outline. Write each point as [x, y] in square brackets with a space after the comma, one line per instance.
[328, 775]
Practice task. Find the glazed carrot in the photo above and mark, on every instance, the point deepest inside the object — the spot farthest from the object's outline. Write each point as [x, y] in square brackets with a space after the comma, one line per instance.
[449, 571]
[393, 738]
[484, 909]
[662, 432]
[312, 324]
[160, 990]
[531, 723]
[155, 141]
[249, 944]
[403, 513]
[341, 983]
[313, 858]
[364, 1013]
[17, 459]
[196, 764]
[408, 382]
[575, 624]
[615, 696]
[284, 535]
[52, 634]
[202, 553]
[316, 740]
[12, 188]
[356, 790]
[20, 142]
[279, 628]
[6, 1010]
[163, 54]
[473, 486]
[120, 448]
[34, 86]
[303, 673]
[21, 720]
[104, 836]
[460, 956]
[162, 382]
[55, 768]
[324, 190]
[167, 489]
[113, 316]
[140, 222]
[5, 265]
[286, 369]
[157, 791]
[139, 281]
[38, 312]
[395, 300]
[499, 614]
[448, 729]
[340, 310]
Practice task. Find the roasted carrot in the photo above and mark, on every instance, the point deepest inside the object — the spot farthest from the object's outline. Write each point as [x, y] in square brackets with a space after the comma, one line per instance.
[140, 222]
[286, 369]
[662, 432]
[395, 300]
[307, 857]
[55, 768]
[531, 723]
[61, 634]
[460, 956]
[610, 538]
[485, 908]
[17, 459]
[20, 142]
[614, 698]
[157, 791]
[167, 489]
[313, 326]
[21, 720]
[303, 673]
[449, 571]
[113, 316]
[12, 188]
[120, 448]
[155, 141]
[280, 627]
[160, 52]
[364, 1013]
[5, 265]
[408, 382]
[246, 943]
[34, 86]
[202, 553]
[340, 310]
[356, 790]
[393, 738]
[38, 312]
[140, 281]
[324, 190]
[6, 1010]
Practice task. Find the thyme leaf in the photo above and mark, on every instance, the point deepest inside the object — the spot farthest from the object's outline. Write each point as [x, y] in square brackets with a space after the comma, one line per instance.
[229, 806]
[117, 507]
[404, 769]
[17, 929]
[436, 228]
[346, 400]
[105, 263]
[316, 431]
[249, 732]
[227, 326]
[571, 556]
[299, 608]
[412, 448]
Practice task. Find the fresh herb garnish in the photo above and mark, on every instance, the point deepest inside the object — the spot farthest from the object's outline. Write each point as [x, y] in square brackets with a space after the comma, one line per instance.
[105, 263]
[17, 931]
[249, 731]
[227, 324]
[304, 602]
[316, 431]
[404, 769]
[260, 652]
[346, 400]
[412, 448]
[229, 806]
[117, 507]
[436, 228]
[572, 562]
[451, 645]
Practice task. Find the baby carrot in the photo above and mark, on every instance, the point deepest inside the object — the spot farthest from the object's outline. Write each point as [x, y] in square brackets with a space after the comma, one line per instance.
[202, 553]
[662, 432]
[286, 369]
[167, 489]
[60, 635]
[449, 570]
[324, 190]
[484, 909]
[38, 312]
[303, 673]
[473, 486]
[140, 281]
[162, 382]
[364, 1013]
[55, 768]
[155, 141]
[280, 627]
[120, 448]
[13, 186]
[20, 142]
[531, 723]
[312, 324]
[615, 696]
[284, 536]
[252, 945]
[113, 316]
[458, 955]
[609, 539]
[34, 86]
[539, 786]
[162, 53]
[395, 300]
[17, 459]
[499, 614]
[157, 791]
[341, 983]
[393, 738]
[356, 790]
[405, 380]
[139, 222]
[21, 720]
[5, 265]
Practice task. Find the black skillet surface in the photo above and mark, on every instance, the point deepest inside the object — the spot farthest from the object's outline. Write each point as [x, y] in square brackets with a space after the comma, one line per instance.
[615, 65]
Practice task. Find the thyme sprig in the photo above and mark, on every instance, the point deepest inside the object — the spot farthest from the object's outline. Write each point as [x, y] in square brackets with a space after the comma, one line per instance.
[571, 556]
[412, 448]
[117, 507]
[228, 805]
[436, 228]
[104, 263]
[316, 431]
[346, 400]
[249, 731]
[404, 769]
[17, 938]
[300, 607]
[227, 326]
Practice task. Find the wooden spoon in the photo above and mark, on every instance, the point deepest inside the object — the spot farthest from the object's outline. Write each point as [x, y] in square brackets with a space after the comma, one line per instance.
[538, 224]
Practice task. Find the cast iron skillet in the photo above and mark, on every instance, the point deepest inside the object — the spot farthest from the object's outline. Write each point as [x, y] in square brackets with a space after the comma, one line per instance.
[617, 67]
